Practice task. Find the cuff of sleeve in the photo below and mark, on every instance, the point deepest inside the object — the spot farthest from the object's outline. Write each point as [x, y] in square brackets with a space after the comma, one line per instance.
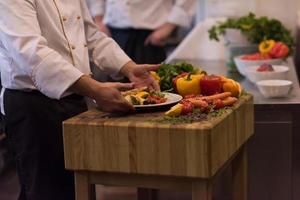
[179, 17]
[97, 9]
[54, 81]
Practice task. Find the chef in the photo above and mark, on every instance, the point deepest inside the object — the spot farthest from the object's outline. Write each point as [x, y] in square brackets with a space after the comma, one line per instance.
[142, 27]
[44, 47]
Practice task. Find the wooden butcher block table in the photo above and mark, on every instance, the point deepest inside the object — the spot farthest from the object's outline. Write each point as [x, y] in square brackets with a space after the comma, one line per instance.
[139, 151]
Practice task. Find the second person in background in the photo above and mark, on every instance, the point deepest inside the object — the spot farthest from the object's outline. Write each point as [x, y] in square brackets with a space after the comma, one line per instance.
[141, 27]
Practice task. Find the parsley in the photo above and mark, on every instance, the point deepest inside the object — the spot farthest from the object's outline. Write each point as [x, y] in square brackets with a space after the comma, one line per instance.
[218, 113]
[256, 29]
[167, 72]
[196, 116]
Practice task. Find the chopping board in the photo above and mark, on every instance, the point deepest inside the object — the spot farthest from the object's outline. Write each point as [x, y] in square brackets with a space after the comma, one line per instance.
[140, 144]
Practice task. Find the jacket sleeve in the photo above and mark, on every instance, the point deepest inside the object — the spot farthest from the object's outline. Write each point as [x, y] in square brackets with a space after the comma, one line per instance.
[106, 53]
[182, 12]
[21, 37]
[96, 7]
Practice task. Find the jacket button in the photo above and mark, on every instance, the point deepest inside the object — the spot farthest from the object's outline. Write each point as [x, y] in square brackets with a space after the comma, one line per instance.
[73, 47]
[64, 18]
[78, 17]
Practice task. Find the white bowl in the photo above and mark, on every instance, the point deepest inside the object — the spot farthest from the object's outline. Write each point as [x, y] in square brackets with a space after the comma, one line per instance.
[242, 65]
[274, 88]
[280, 72]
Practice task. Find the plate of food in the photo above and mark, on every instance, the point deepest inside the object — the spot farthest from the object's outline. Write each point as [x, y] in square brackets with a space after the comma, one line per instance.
[143, 98]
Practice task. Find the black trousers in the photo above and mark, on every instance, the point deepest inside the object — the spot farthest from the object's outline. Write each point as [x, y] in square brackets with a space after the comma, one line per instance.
[33, 124]
[132, 42]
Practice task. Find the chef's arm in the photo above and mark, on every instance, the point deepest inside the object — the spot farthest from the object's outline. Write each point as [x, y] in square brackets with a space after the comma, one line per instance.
[97, 10]
[21, 36]
[105, 52]
[182, 12]
[181, 15]
[96, 7]
[106, 95]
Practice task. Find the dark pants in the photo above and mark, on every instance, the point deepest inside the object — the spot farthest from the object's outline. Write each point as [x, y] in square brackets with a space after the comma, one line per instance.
[132, 42]
[33, 124]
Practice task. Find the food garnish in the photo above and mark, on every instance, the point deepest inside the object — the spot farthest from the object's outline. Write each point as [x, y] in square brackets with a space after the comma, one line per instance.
[142, 96]
[265, 68]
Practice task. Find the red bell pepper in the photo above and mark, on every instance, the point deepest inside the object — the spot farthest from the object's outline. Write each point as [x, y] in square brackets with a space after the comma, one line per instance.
[210, 85]
[280, 50]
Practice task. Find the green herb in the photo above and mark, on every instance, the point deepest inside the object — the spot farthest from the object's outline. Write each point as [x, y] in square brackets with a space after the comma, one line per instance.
[167, 72]
[244, 93]
[134, 100]
[157, 93]
[256, 29]
[196, 116]
[218, 113]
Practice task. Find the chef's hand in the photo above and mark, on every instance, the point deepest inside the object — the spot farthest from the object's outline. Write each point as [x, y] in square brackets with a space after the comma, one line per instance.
[160, 35]
[140, 75]
[109, 98]
[102, 27]
[107, 95]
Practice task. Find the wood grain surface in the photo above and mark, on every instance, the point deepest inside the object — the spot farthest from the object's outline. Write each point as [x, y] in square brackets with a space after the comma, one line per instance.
[100, 142]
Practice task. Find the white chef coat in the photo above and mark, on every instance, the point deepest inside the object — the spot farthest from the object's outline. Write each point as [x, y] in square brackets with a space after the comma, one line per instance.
[143, 14]
[44, 45]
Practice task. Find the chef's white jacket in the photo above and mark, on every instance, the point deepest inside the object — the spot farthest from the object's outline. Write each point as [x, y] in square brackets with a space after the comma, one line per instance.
[143, 14]
[44, 45]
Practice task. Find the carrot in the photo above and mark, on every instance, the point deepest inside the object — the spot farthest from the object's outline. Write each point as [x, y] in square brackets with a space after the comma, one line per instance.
[218, 103]
[223, 95]
[198, 103]
[229, 101]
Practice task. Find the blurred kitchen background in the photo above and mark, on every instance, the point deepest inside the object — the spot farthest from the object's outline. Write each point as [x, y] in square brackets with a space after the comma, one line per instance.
[288, 12]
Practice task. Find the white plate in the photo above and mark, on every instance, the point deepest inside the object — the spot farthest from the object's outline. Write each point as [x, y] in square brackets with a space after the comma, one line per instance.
[171, 99]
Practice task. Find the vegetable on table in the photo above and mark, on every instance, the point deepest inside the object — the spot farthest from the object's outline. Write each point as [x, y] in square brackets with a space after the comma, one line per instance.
[265, 67]
[256, 56]
[187, 107]
[225, 102]
[280, 50]
[210, 85]
[204, 104]
[188, 84]
[232, 86]
[154, 75]
[266, 46]
[256, 29]
[167, 72]
[175, 111]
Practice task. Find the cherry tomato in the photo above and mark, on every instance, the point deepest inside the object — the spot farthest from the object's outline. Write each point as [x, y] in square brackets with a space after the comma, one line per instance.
[187, 107]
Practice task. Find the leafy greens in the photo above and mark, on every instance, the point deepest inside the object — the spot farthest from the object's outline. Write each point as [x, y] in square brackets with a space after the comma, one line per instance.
[167, 72]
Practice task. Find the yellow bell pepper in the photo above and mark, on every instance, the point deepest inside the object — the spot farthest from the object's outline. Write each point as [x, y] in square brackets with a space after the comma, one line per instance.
[154, 75]
[266, 46]
[189, 85]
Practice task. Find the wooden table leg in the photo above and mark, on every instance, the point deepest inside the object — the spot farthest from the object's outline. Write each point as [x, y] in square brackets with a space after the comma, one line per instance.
[202, 190]
[83, 189]
[239, 175]
[147, 194]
